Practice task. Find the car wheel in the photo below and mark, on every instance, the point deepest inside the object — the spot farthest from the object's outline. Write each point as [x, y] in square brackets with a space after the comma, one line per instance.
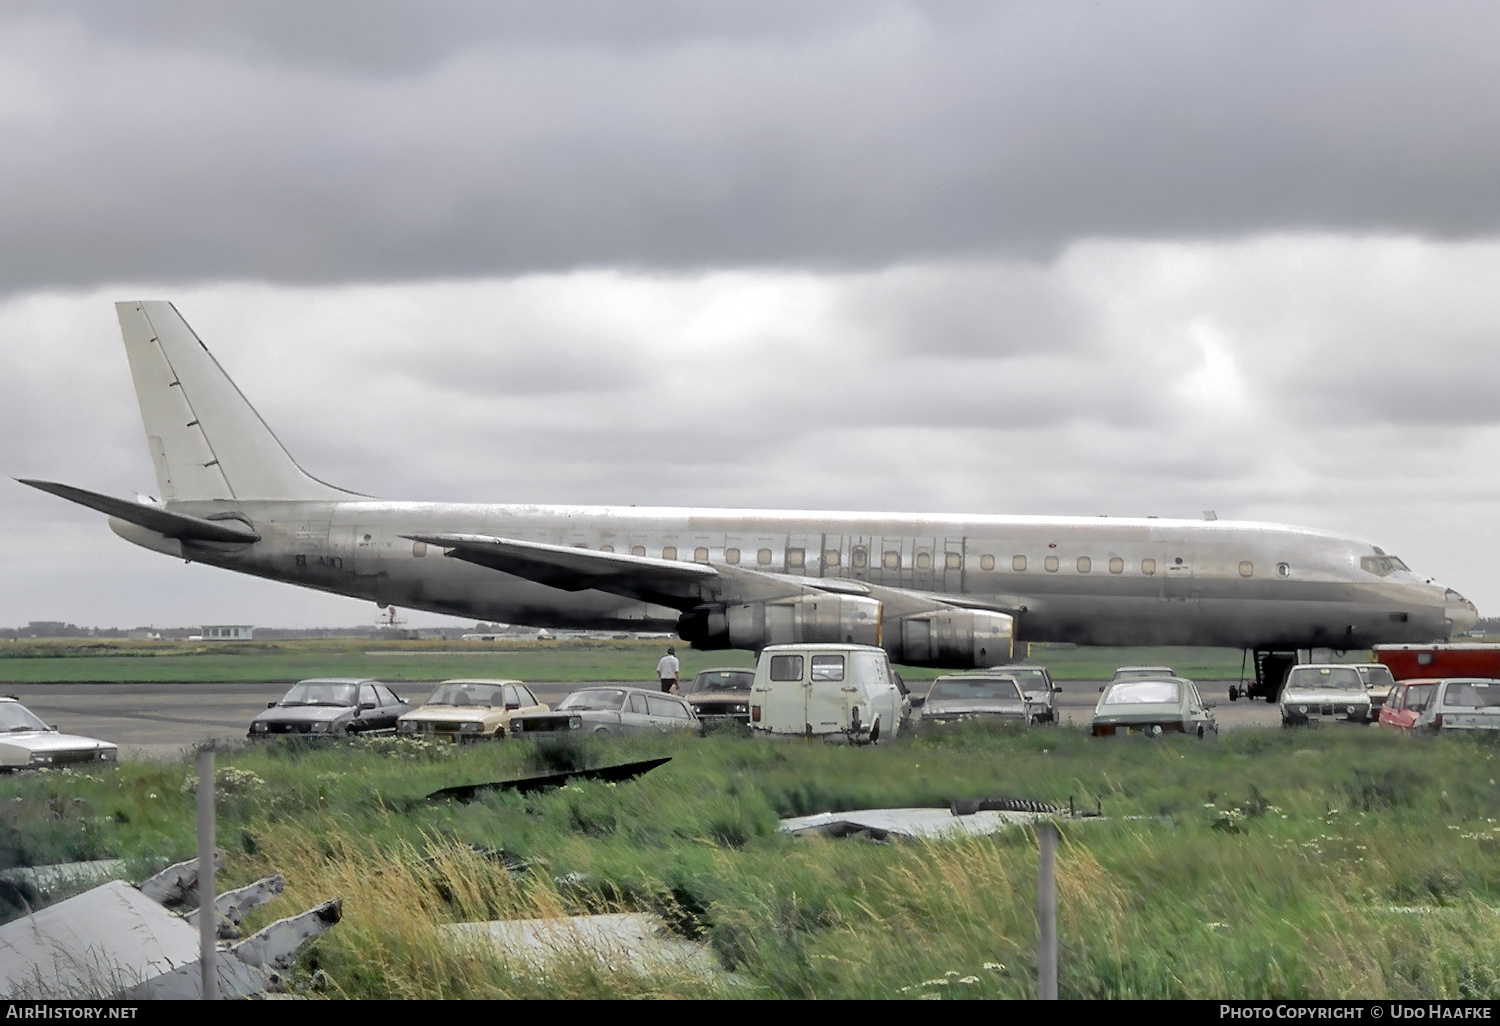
[601, 732]
[875, 731]
[1201, 730]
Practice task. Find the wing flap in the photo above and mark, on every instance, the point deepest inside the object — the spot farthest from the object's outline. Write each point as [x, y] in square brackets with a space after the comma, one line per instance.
[153, 518]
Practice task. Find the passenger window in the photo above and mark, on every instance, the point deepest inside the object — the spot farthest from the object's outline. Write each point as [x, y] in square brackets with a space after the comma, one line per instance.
[892, 560]
[1085, 564]
[956, 562]
[367, 695]
[1116, 565]
[669, 552]
[924, 561]
[1247, 568]
[763, 557]
[830, 557]
[637, 550]
[786, 667]
[859, 556]
[638, 704]
[700, 555]
[1283, 569]
[796, 559]
[606, 548]
[827, 667]
[732, 557]
[1018, 563]
[1148, 567]
[665, 707]
[1051, 564]
[419, 548]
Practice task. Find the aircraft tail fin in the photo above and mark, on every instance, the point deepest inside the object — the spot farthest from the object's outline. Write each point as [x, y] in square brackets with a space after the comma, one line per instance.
[206, 440]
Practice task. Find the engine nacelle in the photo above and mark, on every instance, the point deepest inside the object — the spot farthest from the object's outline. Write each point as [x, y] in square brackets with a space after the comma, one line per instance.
[803, 619]
[955, 639]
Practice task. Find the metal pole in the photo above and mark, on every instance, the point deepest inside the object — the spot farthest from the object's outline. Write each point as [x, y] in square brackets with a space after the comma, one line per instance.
[1046, 912]
[208, 919]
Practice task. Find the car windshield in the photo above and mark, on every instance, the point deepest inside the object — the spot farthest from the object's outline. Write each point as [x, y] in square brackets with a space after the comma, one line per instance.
[1145, 692]
[721, 680]
[15, 716]
[1377, 678]
[1142, 672]
[1472, 696]
[468, 694]
[1027, 678]
[606, 699]
[317, 692]
[974, 690]
[1335, 678]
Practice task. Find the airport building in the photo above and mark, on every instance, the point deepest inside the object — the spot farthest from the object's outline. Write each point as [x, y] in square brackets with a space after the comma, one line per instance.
[228, 632]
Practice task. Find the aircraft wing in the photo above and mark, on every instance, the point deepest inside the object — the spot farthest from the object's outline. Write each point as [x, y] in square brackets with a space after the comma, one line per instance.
[174, 525]
[664, 581]
[668, 582]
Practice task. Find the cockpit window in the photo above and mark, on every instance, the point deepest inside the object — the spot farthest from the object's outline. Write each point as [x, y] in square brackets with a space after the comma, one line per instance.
[1381, 566]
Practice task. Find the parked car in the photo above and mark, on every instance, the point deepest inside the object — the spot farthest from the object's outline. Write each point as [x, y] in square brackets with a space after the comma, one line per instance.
[1143, 673]
[989, 696]
[609, 710]
[28, 743]
[468, 710]
[721, 695]
[1463, 703]
[1378, 682]
[827, 690]
[331, 706]
[1406, 702]
[1315, 692]
[1036, 684]
[1153, 706]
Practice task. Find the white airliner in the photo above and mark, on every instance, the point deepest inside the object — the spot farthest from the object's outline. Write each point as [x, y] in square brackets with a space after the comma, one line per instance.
[952, 590]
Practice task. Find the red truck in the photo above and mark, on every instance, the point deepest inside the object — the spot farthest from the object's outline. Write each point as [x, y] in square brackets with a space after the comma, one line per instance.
[1407, 662]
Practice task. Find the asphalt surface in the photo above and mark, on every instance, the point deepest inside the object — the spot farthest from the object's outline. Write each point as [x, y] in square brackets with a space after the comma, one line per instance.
[161, 721]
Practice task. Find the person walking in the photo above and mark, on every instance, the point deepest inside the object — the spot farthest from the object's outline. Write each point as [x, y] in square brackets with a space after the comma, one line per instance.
[668, 670]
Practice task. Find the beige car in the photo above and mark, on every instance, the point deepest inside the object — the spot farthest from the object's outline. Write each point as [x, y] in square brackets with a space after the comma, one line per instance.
[467, 710]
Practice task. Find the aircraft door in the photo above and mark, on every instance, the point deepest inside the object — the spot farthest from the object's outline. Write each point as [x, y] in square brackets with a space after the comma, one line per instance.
[926, 560]
[954, 564]
[1179, 584]
[864, 557]
[801, 554]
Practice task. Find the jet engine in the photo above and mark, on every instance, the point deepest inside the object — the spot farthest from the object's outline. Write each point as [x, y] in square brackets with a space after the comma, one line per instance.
[950, 638]
[802, 619]
[956, 639]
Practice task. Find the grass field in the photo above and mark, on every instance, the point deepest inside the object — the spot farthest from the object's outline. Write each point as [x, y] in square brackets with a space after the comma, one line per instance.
[1290, 864]
[126, 661]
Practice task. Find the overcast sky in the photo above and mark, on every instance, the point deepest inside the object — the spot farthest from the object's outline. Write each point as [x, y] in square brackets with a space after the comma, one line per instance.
[1050, 258]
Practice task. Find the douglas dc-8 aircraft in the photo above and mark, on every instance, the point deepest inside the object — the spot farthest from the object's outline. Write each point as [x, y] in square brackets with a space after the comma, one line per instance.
[950, 591]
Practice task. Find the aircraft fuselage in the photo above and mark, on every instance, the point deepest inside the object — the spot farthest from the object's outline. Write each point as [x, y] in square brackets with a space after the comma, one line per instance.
[1102, 581]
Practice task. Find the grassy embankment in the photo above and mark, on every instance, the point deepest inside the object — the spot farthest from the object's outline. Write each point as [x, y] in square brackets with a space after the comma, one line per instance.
[83, 660]
[1314, 864]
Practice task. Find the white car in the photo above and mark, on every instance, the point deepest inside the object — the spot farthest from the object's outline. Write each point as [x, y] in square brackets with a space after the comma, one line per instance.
[1462, 703]
[28, 743]
[1317, 691]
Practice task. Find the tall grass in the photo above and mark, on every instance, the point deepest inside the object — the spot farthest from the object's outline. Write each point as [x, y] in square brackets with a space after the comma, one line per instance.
[1264, 864]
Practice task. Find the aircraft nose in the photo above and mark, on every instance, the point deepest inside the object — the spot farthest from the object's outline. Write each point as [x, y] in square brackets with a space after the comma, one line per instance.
[1461, 614]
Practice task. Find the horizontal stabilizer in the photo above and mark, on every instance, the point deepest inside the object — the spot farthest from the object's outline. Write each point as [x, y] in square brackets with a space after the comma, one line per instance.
[153, 518]
[664, 581]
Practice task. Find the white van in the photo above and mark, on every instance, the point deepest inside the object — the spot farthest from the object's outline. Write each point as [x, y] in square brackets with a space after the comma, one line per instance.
[830, 691]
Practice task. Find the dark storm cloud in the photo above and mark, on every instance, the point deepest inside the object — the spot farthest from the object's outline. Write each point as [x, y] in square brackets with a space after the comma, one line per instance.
[358, 141]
